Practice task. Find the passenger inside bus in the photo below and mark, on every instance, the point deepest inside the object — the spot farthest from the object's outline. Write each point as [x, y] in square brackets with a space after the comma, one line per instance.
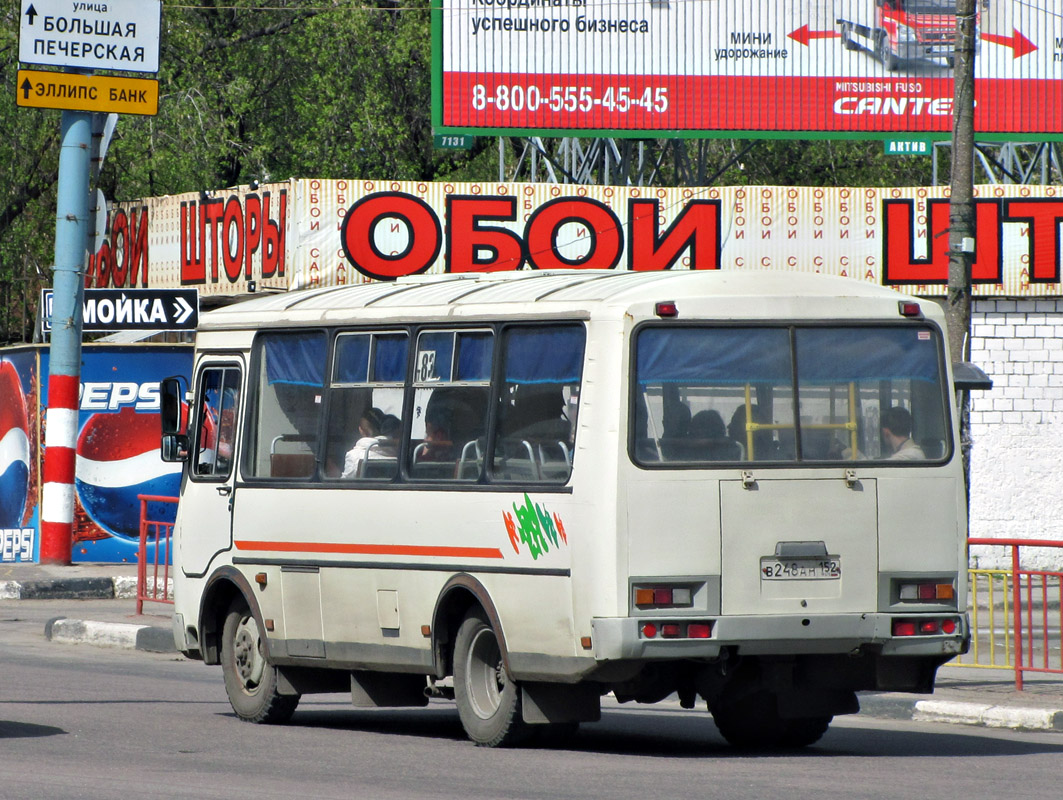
[369, 431]
[437, 445]
[896, 426]
[763, 440]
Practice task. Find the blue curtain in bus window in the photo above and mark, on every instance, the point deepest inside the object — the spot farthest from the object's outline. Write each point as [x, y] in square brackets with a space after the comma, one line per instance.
[713, 356]
[296, 358]
[544, 355]
[840, 355]
[474, 356]
[389, 358]
[439, 347]
[352, 359]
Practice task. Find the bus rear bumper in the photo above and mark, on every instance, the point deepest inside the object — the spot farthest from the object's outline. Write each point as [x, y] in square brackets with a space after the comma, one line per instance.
[622, 638]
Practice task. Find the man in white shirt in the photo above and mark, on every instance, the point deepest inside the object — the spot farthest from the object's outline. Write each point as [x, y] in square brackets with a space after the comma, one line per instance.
[897, 434]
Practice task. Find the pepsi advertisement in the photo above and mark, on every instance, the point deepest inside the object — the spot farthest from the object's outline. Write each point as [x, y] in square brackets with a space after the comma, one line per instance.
[19, 448]
[117, 449]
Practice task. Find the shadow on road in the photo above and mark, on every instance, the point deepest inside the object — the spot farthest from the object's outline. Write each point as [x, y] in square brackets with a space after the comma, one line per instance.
[27, 730]
[647, 734]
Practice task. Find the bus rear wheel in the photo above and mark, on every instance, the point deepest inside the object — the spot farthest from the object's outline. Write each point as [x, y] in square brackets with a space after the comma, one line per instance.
[250, 680]
[753, 723]
[488, 698]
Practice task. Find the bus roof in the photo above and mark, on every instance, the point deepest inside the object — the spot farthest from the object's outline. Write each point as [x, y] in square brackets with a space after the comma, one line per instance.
[538, 292]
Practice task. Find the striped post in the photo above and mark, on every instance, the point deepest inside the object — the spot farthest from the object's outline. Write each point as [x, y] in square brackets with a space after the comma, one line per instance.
[64, 362]
[60, 459]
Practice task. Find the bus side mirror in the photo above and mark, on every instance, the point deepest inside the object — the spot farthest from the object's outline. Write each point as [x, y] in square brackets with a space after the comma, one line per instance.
[967, 377]
[170, 408]
[174, 447]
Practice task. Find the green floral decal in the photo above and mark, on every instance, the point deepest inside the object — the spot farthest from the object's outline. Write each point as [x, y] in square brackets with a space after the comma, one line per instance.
[535, 527]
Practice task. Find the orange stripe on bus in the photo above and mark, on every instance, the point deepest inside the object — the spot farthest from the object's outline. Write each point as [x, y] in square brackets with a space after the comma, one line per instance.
[372, 549]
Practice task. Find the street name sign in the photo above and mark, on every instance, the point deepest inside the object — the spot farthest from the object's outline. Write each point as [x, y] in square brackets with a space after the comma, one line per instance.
[73, 92]
[80, 34]
[133, 309]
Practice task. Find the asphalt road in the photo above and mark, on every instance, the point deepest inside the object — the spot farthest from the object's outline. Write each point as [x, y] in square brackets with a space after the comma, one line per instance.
[87, 722]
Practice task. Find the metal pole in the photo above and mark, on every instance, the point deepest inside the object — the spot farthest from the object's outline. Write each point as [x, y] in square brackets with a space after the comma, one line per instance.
[64, 364]
[961, 216]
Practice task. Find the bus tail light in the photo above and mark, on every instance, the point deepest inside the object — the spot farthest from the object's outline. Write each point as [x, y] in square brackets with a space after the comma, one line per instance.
[676, 630]
[903, 627]
[909, 309]
[699, 630]
[925, 627]
[663, 596]
[926, 592]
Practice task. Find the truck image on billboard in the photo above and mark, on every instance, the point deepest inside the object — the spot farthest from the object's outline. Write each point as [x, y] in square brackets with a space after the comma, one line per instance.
[897, 31]
[845, 68]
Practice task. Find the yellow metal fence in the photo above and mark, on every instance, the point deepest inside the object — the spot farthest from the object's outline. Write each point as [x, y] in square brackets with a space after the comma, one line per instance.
[1016, 614]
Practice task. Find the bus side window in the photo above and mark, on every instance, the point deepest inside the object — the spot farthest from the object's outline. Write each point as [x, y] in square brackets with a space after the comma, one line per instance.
[290, 388]
[216, 436]
[366, 405]
[542, 367]
[452, 373]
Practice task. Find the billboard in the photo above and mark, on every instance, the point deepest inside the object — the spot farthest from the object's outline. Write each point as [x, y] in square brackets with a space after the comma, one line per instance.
[19, 449]
[119, 430]
[843, 68]
[117, 448]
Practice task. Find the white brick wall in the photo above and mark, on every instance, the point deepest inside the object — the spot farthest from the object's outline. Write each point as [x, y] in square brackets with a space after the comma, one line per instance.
[1017, 427]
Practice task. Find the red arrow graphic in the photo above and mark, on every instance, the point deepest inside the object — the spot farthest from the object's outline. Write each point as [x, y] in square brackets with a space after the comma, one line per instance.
[1017, 42]
[804, 35]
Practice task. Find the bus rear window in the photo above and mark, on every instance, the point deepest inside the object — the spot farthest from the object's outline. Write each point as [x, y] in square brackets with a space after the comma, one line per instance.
[788, 394]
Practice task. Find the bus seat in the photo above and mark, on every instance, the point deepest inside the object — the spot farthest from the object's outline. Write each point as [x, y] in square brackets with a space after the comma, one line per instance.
[378, 468]
[291, 465]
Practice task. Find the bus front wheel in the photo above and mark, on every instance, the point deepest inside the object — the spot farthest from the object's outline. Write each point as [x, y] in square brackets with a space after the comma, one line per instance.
[250, 680]
[488, 698]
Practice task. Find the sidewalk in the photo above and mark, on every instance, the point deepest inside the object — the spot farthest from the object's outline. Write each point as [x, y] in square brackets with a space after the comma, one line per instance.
[109, 627]
[967, 696]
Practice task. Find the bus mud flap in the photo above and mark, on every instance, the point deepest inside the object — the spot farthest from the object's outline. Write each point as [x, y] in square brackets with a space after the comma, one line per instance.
[544, 703]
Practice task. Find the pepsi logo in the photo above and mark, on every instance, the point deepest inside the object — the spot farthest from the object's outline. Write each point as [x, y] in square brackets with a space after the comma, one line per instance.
[14, 448]
[118, 459]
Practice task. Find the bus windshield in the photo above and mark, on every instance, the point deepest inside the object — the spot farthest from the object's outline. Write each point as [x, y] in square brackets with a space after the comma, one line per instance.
[789, 394]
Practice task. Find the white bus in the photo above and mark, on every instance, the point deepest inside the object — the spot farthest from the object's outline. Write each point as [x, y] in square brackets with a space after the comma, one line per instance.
[528, 490]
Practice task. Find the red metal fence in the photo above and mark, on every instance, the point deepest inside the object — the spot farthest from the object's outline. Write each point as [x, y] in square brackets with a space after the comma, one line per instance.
[1016, 614]
[157, 589]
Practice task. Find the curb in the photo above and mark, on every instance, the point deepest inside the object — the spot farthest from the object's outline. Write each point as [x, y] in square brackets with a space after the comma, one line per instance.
[984, 715]
[110, 634]
[122, 587]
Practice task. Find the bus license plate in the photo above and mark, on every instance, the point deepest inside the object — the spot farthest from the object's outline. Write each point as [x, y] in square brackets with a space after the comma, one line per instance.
[801, 569]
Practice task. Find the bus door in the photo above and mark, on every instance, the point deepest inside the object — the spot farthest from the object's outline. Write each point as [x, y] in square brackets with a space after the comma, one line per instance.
[207, 499]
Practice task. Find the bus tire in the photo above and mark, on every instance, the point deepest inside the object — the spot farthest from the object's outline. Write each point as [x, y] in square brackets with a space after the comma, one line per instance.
[753, 723]
[804, 731]
[250, 680]
[488, 699]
